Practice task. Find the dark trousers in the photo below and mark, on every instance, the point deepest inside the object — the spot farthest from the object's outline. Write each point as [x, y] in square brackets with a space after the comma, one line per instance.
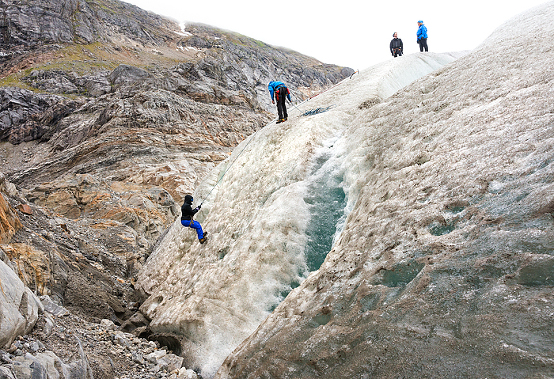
[281, 106]
[423, 44]
[397, 52]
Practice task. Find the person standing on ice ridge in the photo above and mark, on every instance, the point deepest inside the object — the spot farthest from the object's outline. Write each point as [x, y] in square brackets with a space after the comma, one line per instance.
[396, 46]
[186, 218]
[422, 36]
[281, 93]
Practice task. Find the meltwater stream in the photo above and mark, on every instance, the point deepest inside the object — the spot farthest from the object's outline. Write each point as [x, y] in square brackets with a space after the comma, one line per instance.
[326, 200]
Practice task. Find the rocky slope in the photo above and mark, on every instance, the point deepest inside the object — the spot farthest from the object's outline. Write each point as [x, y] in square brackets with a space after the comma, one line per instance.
[108, 116]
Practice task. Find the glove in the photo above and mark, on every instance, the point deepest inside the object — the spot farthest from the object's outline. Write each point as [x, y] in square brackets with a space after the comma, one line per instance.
[199, 206]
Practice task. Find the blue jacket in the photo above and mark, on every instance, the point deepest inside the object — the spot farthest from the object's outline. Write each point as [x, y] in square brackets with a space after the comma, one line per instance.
[421, 32]
[272, 87]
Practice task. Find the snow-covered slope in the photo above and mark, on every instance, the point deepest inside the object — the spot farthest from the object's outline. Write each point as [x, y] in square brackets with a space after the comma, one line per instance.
[281, 198]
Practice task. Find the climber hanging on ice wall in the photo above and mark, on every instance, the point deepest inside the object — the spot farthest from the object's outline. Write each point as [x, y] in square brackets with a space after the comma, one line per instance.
[187, 214]
[280, 92]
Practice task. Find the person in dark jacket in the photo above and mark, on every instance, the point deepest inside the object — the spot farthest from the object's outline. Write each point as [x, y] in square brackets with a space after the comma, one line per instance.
[396, 46]
[187, 213]
[422, 36]
[280, 92]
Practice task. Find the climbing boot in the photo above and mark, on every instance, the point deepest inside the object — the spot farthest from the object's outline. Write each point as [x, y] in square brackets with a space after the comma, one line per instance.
[205, 238]
[280, 120]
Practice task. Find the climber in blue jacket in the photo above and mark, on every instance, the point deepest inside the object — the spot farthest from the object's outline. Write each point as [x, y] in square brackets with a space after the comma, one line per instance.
[422, 36]
[281, 93]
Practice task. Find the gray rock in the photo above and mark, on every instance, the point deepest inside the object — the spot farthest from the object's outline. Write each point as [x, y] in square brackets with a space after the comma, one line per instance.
[53, 308]
[125, 74]
[27, 116]
[122, 340]
[5, 357]
[137, 357]
[39, 22]
[48, 366]
[19, 307]
[6, 373]
[48, 325]
[108, 324]
[34, 346]
[53, 81]
[136, 321]
[155, 356]
[174, 362]
[185, 373]
[96, 85]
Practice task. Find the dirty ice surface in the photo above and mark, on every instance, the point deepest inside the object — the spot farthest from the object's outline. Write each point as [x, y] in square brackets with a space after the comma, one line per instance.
[280, 202]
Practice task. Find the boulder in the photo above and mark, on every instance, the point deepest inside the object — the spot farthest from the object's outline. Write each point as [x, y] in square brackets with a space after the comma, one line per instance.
[48, 365]
[19, 307]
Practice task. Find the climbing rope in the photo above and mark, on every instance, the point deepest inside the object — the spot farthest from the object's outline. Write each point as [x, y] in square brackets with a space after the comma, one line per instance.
[225, 172]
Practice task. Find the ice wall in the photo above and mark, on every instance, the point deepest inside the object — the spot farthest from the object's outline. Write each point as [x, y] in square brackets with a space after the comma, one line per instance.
[280, 199]
[444, 268]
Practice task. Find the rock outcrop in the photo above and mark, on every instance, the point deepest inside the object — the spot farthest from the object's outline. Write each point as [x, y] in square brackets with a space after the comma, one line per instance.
[86, 264]
[68, 21]
[9, 222]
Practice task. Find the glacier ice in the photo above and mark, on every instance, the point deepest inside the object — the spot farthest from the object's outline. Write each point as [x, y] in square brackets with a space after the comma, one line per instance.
[268, 216]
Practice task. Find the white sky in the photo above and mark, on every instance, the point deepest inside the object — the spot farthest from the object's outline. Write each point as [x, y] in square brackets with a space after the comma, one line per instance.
[349, 33]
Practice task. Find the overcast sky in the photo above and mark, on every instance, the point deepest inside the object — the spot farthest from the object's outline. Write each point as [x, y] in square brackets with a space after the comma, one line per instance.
[349, 33]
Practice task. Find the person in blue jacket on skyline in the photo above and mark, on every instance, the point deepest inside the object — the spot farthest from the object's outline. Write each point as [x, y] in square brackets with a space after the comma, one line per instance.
[422, 36]
[280, 92]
